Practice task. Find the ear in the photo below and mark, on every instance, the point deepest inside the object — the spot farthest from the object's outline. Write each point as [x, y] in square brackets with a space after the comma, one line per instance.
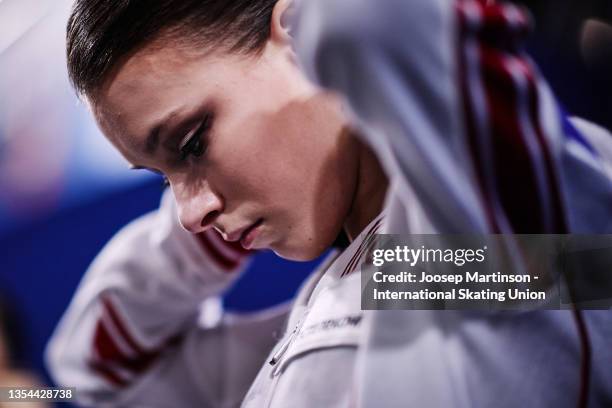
[279, 25]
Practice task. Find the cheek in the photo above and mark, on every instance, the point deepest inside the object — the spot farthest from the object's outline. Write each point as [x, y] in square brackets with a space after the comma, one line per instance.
[313, 176]
[256, 172]
[258, 154]
[275, 161]
[287, 163]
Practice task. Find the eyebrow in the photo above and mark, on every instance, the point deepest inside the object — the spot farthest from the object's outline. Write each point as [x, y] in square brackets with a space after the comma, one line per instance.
[152, 140]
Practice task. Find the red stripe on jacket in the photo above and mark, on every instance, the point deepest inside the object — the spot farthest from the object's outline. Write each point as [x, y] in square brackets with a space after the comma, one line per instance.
[108, 356]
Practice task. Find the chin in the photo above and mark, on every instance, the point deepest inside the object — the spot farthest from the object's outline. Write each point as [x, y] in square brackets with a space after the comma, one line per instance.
[303, 252]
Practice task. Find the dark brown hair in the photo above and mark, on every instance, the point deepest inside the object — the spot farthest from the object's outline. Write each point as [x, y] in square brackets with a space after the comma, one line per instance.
[102, 33]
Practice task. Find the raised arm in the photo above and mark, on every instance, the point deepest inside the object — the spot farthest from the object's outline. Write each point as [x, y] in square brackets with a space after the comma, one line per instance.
[458, 113]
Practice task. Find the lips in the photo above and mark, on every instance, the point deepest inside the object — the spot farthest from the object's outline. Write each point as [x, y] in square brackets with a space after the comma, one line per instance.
[248, 235]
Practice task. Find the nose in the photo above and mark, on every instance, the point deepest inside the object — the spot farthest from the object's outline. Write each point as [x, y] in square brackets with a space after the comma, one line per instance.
[197, 207]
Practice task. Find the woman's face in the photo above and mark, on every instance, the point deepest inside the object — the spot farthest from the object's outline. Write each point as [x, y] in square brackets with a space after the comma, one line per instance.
[248, 145]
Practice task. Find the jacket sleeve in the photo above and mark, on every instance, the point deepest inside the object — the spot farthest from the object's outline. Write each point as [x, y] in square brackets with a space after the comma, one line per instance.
[133, 327]
[464, 124]
[457, 112]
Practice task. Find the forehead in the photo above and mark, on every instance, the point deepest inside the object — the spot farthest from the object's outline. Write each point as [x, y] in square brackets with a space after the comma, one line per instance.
[153, 83]
[164, 65]
[145, 79]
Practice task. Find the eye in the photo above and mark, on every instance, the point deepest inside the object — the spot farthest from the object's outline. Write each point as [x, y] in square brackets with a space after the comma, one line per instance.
[193, 143]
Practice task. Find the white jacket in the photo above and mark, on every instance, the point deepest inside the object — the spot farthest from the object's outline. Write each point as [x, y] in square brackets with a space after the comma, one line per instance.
[473, 141]
[146, 329]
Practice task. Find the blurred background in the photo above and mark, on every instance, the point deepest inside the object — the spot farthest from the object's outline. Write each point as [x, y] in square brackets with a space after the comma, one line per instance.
[64, 191]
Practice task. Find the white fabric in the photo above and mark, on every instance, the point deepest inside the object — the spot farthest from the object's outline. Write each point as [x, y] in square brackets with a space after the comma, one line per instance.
[314, 361]
[396, 62]
[164, 289]
[210, 365]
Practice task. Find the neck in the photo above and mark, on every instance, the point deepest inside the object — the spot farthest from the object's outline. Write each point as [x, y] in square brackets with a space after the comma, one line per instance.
[370, 193]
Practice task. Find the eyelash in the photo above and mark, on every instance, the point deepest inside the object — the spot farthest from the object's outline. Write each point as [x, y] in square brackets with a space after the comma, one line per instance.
[194, 146]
